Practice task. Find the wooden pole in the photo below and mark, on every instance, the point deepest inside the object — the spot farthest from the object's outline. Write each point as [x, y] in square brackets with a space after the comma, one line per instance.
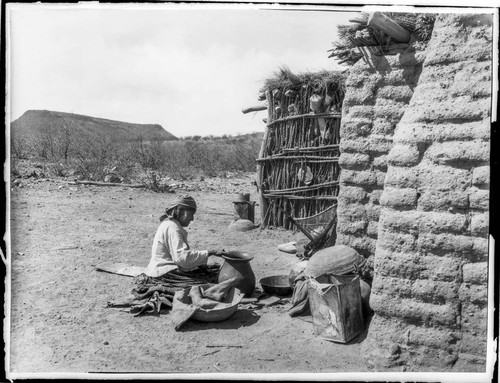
[95, 183]
[254, 109]
[358, 19]
[263, 204]
[387, 25]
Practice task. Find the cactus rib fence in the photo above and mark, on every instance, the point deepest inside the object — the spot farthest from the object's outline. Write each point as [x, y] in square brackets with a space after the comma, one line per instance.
[297, 168]
[300, 168]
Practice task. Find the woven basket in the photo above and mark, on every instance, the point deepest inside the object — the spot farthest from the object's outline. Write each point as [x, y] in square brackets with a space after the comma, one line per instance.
[233, 298]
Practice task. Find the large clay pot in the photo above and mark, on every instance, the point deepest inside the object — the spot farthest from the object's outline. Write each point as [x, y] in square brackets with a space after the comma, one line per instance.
[237, 264]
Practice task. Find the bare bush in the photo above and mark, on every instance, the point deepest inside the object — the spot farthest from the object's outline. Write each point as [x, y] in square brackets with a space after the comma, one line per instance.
[189, 158]
[165, 158]
[19, 147]
[94, 156]
[64, 153]
[58, 169]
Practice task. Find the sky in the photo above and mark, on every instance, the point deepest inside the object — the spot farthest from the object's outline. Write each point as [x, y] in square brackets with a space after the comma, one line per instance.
[191, 69]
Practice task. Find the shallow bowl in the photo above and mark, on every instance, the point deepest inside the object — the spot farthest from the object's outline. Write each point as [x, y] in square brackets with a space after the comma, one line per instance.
[276, 285]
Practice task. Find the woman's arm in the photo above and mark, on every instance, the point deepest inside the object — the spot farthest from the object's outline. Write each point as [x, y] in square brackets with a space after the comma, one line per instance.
[182, 255]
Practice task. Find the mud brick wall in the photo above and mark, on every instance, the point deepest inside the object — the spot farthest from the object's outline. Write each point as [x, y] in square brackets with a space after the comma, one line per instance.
[378, 91]
[429, 291]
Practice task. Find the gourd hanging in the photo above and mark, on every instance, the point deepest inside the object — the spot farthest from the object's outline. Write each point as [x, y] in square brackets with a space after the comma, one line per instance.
[315, 102]
[277, 111]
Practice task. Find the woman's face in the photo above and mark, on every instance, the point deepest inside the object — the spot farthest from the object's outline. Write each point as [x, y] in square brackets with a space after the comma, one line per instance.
[185, 217]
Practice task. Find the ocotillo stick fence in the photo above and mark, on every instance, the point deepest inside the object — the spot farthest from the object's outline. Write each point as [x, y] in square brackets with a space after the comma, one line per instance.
[297, 168]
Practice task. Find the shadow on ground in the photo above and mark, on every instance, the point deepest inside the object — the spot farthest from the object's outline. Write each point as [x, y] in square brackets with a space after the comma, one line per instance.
[241, 318]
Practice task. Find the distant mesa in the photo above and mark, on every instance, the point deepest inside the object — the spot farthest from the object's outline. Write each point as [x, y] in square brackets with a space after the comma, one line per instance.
[34, 122]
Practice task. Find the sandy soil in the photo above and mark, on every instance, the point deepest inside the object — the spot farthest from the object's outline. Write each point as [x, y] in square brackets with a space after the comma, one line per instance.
[59, 319]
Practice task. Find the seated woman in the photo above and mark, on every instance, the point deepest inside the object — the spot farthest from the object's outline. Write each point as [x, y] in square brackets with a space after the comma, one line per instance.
[173, 265]
[170, 249]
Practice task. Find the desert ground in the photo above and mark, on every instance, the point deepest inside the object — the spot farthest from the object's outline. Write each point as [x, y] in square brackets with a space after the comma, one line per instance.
[59, 319]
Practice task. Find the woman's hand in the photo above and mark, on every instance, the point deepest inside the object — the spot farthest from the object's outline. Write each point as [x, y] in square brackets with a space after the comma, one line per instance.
[217, 253]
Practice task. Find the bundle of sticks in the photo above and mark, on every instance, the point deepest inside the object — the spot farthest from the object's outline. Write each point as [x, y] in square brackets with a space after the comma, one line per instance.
[379, 29]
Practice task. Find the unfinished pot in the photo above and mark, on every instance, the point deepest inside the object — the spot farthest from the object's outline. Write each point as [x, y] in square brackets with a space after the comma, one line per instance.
[237, 264]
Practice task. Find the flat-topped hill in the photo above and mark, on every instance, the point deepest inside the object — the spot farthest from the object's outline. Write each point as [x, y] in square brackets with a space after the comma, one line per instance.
[35, 122]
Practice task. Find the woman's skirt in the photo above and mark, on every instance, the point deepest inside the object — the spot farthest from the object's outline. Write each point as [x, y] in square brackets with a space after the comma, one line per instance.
[152, 294]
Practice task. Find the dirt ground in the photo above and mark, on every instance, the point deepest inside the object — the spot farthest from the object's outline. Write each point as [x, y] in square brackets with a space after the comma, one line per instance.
[59, 322]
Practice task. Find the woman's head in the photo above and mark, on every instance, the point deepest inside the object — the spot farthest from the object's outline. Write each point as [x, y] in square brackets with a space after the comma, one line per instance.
[184, 216]
[182, 209]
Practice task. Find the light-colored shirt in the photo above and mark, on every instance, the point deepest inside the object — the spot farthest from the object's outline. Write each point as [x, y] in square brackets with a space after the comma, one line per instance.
[170, 250]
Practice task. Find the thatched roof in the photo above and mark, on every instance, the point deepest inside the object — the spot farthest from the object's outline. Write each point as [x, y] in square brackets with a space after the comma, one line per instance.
[284, 79]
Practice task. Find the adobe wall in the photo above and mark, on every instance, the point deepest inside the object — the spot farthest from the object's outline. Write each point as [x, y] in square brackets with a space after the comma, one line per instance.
[420, 203]
[379, 89]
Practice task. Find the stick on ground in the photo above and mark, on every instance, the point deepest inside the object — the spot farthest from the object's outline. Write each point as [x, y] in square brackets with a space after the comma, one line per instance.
[107, 184]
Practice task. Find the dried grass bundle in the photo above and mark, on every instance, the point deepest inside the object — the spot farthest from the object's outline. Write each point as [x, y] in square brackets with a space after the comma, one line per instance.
[359, 34]
[356, 35]
[290, 93]
[406, 20]
[284, 80]
[424, 24]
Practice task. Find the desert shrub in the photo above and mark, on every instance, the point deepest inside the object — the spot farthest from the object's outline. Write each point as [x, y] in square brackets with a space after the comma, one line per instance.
[19, 147]
[216, 157]
[176, 163]
[189, 158]
[148, 155]
[58, 169]
[63, 153]
[54, 147]
[163, 158]
[94, 156]
[203, 156]
[14, 169]
[55, 142]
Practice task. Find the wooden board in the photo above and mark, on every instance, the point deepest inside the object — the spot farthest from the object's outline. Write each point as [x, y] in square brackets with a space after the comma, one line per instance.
[387, 25]
[120, 268]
